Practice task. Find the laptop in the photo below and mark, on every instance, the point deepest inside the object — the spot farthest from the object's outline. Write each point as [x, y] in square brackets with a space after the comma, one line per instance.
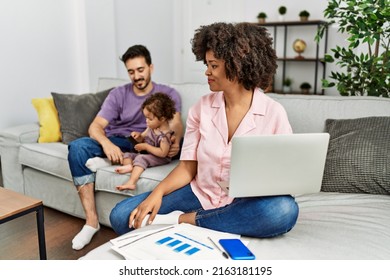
[276, 164]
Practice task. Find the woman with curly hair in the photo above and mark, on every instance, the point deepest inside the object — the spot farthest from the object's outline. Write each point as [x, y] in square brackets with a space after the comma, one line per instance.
[240, 63]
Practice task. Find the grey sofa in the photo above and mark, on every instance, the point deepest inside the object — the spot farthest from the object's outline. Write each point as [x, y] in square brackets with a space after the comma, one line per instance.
[41, 170]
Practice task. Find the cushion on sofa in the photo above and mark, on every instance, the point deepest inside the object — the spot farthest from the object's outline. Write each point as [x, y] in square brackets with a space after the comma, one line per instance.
[50, 158]
[308, 113]
[358, 159]
[76, 112]
[49, 124]
[107, 179]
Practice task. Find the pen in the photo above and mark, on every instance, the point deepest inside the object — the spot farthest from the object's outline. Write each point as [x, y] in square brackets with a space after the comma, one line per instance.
[215, 245]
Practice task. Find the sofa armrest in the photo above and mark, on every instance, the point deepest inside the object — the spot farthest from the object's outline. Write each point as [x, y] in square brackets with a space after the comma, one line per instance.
[10, 141]
[28, 133]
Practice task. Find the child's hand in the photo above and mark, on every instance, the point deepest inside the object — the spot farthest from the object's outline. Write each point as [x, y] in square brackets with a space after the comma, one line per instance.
[137, 136]
[141, 147]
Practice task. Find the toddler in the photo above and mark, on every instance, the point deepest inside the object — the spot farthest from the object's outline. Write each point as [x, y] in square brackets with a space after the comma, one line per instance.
[158, 110]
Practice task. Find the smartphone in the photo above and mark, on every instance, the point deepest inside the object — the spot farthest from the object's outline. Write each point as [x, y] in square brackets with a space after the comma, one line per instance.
[236, 249]
[132, 140]
[135, 142]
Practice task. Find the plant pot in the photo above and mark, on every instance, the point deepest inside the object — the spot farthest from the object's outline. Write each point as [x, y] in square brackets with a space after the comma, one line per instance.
[281, 17]
[304, 18]
[261, 20]
[286, 89]
[305, 91]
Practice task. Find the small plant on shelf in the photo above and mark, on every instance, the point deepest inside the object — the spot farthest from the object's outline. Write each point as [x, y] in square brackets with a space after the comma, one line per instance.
[304, 15]
[282, 11]
[261, 17]
[287, 82]
[305, 87]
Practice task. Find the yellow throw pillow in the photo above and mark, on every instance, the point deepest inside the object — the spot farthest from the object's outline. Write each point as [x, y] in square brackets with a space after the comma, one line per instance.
[49, 122]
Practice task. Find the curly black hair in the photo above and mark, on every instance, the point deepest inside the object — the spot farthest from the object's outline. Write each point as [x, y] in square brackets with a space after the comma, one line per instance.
[161, 105]
[245, 47]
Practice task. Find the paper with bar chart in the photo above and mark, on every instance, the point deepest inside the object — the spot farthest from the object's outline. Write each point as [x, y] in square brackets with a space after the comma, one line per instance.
[174, 242]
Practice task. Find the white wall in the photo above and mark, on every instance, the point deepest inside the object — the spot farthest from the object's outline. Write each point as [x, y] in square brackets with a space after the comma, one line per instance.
[192, 15]
[97, 18]
[150, 23]
[38, 54]
[65, 45]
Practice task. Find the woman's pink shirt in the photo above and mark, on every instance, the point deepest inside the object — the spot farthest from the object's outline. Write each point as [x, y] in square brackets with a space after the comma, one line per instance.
[206, 140]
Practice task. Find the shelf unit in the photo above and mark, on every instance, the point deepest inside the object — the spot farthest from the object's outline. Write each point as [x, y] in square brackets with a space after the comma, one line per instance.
[317, 60]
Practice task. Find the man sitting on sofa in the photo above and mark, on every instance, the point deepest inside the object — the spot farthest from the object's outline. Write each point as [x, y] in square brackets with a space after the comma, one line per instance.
[119, 115]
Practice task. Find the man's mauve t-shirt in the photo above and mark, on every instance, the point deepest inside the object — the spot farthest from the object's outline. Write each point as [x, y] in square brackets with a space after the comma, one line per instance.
[122, 109]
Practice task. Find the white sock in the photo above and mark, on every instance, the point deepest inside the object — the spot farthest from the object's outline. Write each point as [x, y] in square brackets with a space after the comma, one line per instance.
[97, 162]
[164, 219]
[84, 237]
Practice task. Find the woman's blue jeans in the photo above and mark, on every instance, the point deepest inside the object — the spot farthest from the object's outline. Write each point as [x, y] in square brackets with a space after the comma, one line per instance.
[82, 149]
[252, 216]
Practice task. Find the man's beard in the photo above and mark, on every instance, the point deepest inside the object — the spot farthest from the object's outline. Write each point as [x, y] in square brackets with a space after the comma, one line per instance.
[142, 86]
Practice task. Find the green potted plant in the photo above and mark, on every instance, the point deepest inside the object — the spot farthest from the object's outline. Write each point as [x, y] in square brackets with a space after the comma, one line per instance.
[261, 17]
[364, 65]
[305, 87]
[287, 82]
[304, 15]
[282, 11]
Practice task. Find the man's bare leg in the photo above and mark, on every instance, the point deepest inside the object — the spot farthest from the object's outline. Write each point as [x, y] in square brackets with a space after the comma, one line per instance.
[87, 197]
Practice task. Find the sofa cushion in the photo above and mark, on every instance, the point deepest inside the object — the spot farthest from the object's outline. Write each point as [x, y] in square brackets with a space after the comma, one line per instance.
[49, 124]
[308, 113]
[50, 158]
[358, 158]
[76, 112]
[106, 83]
[107, 179]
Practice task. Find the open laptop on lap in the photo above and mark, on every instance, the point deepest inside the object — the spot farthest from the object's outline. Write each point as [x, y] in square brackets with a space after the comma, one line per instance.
[277, 164]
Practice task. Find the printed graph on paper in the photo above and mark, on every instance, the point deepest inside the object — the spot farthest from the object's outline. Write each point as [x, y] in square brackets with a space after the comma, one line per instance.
[182, 241]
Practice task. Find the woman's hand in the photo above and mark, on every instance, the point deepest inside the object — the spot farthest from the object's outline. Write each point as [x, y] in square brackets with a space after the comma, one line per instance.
[180, 176]
[150, 205]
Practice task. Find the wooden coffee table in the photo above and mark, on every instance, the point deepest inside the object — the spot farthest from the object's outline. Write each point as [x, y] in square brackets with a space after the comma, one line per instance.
[14, 205]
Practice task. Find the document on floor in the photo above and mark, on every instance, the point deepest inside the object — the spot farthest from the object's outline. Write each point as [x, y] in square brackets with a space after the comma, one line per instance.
[183, 241]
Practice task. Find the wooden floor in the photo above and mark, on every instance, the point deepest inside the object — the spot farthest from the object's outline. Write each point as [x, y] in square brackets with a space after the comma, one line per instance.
[19, 237]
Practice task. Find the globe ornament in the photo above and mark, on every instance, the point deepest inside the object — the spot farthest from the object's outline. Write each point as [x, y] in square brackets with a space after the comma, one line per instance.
[299, 47]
